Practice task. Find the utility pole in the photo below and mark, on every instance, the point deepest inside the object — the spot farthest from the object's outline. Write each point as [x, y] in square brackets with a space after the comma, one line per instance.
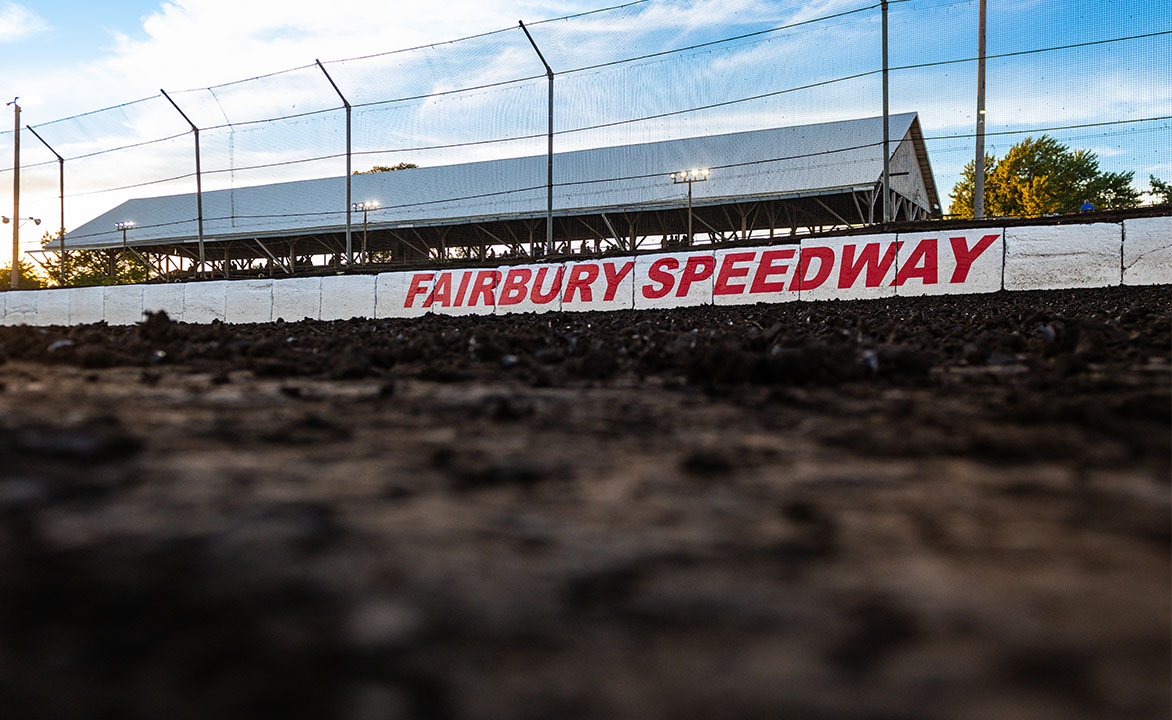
[886, 129]
[979, 165]
[16, 199]
[549, 152]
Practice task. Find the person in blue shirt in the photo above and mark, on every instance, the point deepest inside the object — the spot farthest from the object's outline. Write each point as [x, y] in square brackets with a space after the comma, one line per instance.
[1086, 206]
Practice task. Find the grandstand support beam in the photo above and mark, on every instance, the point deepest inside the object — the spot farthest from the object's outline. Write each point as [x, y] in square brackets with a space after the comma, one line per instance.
[198, 184]
[549, 152]
[61, 185]
[349, 156]
[886, 127]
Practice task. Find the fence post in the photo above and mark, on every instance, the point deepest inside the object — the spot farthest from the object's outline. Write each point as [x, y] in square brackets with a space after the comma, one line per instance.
[549, 153]
[346, 103]
[886, 129]
[61, 179]
[979, 163]
[198, 184]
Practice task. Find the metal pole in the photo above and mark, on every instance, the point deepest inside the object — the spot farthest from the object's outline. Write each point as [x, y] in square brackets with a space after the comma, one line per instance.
[198, 184]
[886, 128]
[365, 254]
[979, 164]
[61, 173]
[15, 279]
[689, 213]
[346, 103]
[549, 151]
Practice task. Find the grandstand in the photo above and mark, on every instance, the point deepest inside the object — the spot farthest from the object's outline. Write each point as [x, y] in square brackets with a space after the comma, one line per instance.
[766, 183]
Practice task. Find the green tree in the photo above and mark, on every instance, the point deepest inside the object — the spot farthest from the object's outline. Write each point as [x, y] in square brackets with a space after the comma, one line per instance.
[30, 276]
[1161, 189]
[92, 267]
[1041, 176]
[387, 168]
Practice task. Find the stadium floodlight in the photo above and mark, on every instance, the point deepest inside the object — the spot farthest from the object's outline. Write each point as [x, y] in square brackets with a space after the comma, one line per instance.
[689, 177]
[124, 226]
[365, 207]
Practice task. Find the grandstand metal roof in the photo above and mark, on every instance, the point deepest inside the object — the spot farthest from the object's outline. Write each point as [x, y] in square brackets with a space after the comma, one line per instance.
[824, 158]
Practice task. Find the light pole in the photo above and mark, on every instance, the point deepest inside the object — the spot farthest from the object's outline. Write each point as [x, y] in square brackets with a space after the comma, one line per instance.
[123, 226]
[365, 207]
[16, 245]
[689, 177]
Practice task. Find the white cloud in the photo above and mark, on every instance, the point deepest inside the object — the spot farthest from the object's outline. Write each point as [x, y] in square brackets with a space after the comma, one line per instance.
[18, 22]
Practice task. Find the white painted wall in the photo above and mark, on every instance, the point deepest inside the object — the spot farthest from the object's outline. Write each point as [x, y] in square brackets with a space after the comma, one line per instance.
[123, 304]
[296, 299]
[87, 305]
[1052, 257]
[1147, 251]
[249, 301]
[347, 296]
[164, 298]
[204, 302]
[1135, 252]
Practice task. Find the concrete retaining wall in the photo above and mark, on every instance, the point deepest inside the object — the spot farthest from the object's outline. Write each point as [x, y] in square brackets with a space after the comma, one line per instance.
[1134, 252]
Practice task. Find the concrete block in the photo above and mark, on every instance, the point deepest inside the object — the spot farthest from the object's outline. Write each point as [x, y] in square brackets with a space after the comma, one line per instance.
[530, 289]
[1054, 257]
[861, 267]
[745, 276]
[123, 304]
[204, 302]
[53, 307]
[21, 307]
[670, 280]
[1147, 251]
[951, 262]
[249, 301]
[347, 296]
[394, 295]
[607, 284]
[87, 305]
[297, 299]
[164, 298]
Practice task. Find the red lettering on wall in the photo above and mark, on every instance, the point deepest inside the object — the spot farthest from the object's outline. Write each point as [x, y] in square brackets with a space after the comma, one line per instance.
[965, 257]
[542, 298]
[417, 287]
[441, 292]
[770, 266]
[825, 258]
[658, 273]
[698, 267]
[730, 271]
[465, 278]
[922, 264]
[614, 277]
[515, 287]
[580, 278]
[869, 260]
[486, 281]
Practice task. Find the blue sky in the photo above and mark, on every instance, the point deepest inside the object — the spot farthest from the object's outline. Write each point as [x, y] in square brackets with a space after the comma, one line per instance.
[64, 57]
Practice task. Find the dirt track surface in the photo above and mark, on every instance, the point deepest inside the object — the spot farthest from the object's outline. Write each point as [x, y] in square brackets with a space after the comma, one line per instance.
[917, 508]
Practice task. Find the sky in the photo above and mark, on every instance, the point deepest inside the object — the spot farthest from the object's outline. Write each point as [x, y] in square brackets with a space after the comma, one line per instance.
[66, 58]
